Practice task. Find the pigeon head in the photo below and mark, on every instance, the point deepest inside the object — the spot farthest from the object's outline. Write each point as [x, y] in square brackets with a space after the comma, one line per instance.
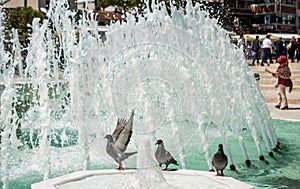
[109, 137]
[220, 146]
[159, 142]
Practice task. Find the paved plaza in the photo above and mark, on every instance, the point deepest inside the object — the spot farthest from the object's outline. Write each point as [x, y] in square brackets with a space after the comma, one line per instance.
[266, 84]
[292, 114]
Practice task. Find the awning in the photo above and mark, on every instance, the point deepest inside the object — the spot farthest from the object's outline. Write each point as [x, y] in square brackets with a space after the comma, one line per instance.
[285, 36]
[250, 37]
[274, 36]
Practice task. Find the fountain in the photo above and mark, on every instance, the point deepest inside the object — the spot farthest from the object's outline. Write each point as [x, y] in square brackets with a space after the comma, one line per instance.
[187, 83]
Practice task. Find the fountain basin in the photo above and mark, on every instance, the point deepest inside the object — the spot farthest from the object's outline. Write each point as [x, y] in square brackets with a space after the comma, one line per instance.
[117, 179]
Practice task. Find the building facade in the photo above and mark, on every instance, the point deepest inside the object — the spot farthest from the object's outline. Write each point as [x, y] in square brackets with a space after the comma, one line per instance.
[240, 16]
[35, 4]
[86, 4]
[262, 16]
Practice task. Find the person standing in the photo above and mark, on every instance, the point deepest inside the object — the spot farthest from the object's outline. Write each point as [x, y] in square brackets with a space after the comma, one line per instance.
[285, 45]
[279, 48]
[292, 48]
[273, 46]
[242, 43]
[267, 47]
[283, 73]
[256, 50]
[298, 49]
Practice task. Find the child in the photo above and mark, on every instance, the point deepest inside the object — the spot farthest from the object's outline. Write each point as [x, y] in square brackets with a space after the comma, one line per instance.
[283, 73]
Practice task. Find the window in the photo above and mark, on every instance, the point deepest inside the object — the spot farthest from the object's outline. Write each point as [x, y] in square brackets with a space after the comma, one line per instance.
[287, 19]
[289, 2]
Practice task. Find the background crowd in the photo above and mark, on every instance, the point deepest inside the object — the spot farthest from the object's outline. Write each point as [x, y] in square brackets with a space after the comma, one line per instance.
[265, 51]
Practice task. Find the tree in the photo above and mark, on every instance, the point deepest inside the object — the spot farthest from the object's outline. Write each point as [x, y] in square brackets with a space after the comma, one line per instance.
[20, 17]
[125, 5]
[128, 4]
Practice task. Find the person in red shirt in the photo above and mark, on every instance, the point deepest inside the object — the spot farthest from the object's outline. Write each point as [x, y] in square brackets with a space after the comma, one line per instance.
[283, 73]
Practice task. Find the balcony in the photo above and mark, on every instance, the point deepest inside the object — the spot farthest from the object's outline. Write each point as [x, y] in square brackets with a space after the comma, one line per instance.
[263, 9]
[238, 11]
[275, 28]
[262, 27]
[286, 28]
[287, 9]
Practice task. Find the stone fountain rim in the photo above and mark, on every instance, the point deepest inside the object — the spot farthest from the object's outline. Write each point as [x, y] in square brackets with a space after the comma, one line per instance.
[80, 175]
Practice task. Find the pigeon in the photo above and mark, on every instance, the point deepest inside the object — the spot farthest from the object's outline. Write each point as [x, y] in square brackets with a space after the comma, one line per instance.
[220, 161]
[118, 141]
[163, 156]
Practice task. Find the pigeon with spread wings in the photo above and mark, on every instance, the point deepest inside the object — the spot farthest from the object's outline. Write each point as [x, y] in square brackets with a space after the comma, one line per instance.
[118, 141]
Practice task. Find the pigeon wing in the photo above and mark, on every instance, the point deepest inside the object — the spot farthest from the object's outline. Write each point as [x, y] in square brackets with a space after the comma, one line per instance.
[163, 156]
[168, 157]
[120, 126]
[124, 135]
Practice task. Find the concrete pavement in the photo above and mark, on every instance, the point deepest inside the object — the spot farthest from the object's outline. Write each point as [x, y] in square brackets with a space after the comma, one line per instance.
[292, 114]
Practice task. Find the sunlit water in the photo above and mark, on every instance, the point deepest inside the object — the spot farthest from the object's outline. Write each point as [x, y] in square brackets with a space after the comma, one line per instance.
[186, 82]
[280, 173]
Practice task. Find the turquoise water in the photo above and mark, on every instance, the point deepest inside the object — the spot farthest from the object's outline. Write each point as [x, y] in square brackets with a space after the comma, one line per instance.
[280, 172]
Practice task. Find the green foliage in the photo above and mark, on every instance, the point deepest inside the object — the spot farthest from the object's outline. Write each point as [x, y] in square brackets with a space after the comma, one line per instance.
[106, 3]
[124, 4]
[214, 9]
[128, 4]
[20, 17]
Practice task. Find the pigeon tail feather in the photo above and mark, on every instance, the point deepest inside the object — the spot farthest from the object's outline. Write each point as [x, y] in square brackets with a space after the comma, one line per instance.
[173, 161]
[127, 154]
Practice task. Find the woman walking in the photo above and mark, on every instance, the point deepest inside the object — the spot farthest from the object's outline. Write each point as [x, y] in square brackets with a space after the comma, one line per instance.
[283, 73]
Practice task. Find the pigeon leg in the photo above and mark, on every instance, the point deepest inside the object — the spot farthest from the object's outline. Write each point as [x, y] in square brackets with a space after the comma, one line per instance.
[165, 169]
[222, 174]
[121, 168]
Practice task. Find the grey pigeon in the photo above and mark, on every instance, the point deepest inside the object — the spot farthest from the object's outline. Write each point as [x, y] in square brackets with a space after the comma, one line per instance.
[163, 156]
[219, 160]
[118, 141]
